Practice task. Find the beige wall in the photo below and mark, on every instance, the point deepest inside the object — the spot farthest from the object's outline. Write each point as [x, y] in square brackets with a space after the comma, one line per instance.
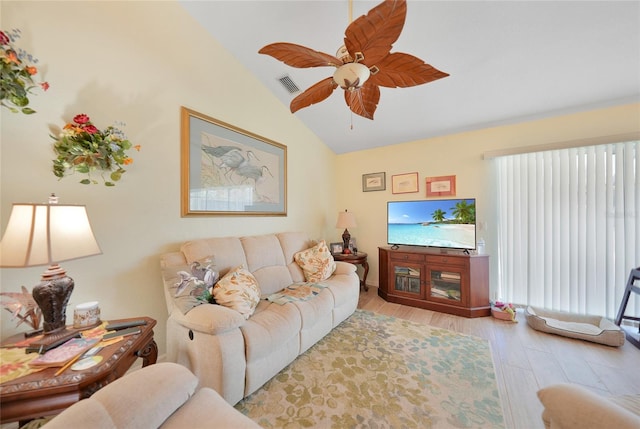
[138, 62]
[460, 155]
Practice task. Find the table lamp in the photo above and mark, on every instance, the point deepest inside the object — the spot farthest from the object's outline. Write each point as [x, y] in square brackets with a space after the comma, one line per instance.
[45, 234]
[346, 220]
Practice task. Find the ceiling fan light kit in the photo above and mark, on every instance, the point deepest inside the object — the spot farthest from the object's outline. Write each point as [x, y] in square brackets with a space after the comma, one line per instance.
[351, 76]
[363, 64]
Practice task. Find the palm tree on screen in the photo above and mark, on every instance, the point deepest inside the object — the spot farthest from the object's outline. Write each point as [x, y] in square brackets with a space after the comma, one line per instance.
[464, 212]
[438, 215]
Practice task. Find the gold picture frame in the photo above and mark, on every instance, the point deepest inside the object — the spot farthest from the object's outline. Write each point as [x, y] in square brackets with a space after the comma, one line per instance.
[227, 171]
[404, 183]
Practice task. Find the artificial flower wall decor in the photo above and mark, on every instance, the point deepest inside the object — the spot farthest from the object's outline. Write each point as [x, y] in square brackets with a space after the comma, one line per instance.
[16, 75]
[83, 148]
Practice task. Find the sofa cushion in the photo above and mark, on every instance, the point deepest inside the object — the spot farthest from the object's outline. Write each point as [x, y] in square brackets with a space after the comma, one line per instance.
[227, 252]
[272, 279]
[272, 341]
[316, 262]
[238, 290]
[262, 251]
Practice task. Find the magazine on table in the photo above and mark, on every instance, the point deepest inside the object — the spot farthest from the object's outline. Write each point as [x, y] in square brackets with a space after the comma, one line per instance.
[64, 353]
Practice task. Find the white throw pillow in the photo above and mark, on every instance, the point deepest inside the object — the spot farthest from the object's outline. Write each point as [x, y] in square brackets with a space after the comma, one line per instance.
[238, 290]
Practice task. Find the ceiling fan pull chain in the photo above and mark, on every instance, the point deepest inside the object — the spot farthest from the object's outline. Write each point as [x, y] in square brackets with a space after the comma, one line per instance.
[351, 120]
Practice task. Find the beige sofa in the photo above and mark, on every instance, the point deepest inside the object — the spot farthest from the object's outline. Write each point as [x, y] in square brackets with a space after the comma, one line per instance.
[570, 406]
[163, 396]
[236, 356]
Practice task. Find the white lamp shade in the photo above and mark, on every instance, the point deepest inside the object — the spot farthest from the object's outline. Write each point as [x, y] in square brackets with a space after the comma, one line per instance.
[351, 75]
[346, 220]
[42, 234]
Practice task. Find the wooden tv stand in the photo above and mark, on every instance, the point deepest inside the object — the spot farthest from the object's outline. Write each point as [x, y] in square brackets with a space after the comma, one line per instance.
[453, 283]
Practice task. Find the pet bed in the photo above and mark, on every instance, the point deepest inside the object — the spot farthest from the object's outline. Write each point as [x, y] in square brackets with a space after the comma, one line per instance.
[583, 327]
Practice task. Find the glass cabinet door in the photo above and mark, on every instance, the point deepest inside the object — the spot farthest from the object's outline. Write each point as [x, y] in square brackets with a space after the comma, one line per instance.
[445, 285]
[407, 279]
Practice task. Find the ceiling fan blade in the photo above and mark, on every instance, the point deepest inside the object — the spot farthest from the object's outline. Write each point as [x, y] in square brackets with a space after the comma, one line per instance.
[314, 94]
[299, 56]
[363, 101]
[403, 70]
[374, 33]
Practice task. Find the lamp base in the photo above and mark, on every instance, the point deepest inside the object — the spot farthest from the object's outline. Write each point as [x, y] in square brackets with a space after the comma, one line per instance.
[346, 238]
[52, 296]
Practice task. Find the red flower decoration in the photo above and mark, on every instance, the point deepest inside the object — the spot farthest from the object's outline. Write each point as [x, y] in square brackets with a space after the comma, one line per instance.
[81, 119]
[45, 85]
[4, 39]
[90, 129]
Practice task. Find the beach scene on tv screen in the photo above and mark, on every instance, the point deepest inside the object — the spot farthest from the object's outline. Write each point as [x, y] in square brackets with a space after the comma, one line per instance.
[437, 223]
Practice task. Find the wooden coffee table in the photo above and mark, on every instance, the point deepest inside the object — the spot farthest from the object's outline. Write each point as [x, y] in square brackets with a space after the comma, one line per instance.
[359, 258]
[43, 393]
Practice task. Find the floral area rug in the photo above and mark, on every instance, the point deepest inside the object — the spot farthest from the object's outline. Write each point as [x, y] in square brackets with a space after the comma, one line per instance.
[375, 371]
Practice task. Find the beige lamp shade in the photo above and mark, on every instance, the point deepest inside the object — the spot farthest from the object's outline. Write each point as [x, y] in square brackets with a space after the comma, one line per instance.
[42, 234]
[346, 220]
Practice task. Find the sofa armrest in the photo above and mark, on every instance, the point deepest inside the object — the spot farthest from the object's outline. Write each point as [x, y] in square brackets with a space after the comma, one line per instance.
[572, 406]
[344, 268]
[209, 319]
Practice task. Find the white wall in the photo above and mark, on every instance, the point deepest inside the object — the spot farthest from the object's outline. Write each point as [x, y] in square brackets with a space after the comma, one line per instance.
[460, 155]
[138, 62]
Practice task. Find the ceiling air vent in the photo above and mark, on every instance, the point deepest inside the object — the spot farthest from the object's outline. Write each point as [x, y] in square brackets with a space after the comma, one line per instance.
[289, 84]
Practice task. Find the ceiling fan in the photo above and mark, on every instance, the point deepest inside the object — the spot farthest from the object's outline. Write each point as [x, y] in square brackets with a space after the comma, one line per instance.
[363, 64]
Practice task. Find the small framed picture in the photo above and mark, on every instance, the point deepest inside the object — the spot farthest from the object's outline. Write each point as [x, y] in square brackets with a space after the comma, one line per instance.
[404, 183]
[374, 182]
[441, 186]
[352, 244]
[336, 247]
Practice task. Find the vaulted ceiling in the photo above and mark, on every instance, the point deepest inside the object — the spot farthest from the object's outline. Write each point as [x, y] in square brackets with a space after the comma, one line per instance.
[509, 61]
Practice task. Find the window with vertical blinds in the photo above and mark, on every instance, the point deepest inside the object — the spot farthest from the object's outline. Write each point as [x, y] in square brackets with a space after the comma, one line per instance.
[569, 227]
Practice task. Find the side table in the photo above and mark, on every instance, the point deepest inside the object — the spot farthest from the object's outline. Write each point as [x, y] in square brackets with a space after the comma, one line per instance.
[43, 393]
[359, 258]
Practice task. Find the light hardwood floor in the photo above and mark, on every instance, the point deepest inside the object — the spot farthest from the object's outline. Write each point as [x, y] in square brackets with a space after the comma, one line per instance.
[527, 360]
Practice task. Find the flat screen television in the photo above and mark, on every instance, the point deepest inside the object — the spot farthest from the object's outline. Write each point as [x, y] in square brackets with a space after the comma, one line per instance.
[435, 223]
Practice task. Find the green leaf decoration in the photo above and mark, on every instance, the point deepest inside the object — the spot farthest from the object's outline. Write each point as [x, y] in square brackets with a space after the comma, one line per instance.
[83, 148]
[16, 75]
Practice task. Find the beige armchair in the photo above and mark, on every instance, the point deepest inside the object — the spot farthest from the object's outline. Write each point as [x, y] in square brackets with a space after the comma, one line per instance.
[569, 406]
[157, 396]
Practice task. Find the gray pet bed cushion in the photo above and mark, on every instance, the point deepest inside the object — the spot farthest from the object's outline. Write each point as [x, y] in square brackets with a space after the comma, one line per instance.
[583, 327]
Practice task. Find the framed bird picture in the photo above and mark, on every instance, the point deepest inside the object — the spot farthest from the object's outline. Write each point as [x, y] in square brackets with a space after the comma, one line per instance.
[229, 171]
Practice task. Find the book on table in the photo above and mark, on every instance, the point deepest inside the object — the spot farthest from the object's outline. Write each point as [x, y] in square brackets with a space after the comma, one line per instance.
[64, 353]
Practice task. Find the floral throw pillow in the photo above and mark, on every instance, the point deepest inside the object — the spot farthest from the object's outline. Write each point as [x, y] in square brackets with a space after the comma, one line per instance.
[316, 262]
[238, 290]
